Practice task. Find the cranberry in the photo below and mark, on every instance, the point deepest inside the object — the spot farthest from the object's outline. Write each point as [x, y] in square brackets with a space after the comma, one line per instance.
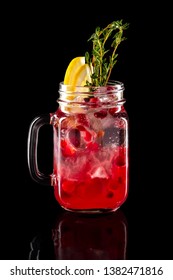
[113, 111]
[101, 114]
[94, 101]
[82, 119]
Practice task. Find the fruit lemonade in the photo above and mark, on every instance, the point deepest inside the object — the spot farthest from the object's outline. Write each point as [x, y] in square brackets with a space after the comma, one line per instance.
[90, 141]
[90, 158]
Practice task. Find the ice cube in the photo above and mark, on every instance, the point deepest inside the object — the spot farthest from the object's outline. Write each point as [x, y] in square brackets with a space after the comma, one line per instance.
[95, 123]
[114, 135]
[99, 172]
[107, 122]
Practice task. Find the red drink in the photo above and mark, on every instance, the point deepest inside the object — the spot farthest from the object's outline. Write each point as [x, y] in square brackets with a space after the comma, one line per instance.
[90, 148]
[91, 157]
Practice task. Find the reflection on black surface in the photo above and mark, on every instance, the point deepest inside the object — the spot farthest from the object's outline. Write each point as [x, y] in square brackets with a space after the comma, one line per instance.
[83, 237]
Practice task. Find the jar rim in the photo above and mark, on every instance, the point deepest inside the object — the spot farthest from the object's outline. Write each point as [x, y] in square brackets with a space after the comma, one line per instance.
[114, 84]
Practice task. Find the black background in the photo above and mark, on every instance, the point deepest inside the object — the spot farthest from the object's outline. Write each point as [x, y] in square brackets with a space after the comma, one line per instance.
[39, 42]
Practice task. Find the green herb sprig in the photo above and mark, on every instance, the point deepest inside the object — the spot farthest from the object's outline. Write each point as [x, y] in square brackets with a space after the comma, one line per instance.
[102, 60]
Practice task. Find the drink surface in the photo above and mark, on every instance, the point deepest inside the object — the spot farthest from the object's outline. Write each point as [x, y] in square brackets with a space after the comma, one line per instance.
[91, 158]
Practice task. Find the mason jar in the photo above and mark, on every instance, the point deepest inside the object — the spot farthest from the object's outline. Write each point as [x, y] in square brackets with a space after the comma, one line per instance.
[90, 148]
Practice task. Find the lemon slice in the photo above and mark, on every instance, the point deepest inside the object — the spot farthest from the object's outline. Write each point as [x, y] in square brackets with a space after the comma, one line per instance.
[76, 75]
[82, 75]
[77, 72]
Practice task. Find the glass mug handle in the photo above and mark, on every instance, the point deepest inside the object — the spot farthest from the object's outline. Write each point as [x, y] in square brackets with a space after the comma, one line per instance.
[33, 134]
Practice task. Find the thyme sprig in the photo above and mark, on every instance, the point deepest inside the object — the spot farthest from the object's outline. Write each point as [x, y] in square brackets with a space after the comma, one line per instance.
[101, 60]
